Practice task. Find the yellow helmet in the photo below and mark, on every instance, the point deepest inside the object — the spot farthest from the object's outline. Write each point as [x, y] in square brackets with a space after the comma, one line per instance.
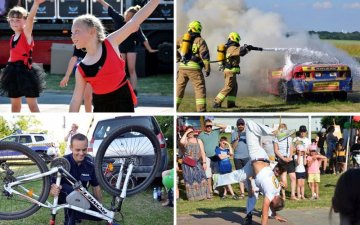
[195, 26]
[235, 37]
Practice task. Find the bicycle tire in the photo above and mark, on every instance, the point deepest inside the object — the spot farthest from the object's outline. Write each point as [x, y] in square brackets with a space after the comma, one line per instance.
[113, 140]
[17, 161]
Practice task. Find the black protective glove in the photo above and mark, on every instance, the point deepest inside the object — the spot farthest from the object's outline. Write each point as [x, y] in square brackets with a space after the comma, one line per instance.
[249, 47]
[207, 74]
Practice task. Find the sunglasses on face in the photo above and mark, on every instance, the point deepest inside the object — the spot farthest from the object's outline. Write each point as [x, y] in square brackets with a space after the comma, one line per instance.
[241, 124]
[208, 126]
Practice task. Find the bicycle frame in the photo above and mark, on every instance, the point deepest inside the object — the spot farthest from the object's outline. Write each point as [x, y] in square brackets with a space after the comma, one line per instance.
[103, 213]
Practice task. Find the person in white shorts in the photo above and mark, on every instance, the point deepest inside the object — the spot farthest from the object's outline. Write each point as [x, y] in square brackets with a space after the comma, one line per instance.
[265, 178]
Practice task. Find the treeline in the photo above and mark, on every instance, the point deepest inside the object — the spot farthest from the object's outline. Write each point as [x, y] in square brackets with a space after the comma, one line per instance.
[336, 35]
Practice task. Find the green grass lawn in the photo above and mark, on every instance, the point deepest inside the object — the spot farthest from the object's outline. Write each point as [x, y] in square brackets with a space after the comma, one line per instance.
[160, 84]
[327, 186]
[270, 103]
[139, 209]
[349, 46]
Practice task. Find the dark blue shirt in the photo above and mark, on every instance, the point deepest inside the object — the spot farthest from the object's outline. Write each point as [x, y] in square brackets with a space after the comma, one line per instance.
[85, 172]
[224, 164]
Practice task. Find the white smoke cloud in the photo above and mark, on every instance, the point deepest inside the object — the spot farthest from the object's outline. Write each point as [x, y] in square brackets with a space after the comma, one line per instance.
[322, 5]
[355, 5]
[258, 28]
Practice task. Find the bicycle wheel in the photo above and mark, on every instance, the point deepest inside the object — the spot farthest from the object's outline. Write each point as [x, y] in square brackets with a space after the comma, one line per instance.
[16, 161]
[134, 144]
[131, 183]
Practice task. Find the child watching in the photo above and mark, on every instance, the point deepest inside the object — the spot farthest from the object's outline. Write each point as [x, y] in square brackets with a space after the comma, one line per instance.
[313, 161]
[224, 151]
[300, 162]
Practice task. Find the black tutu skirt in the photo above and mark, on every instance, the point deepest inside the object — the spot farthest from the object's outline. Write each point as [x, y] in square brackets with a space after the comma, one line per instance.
[17, 80]
[116, 101]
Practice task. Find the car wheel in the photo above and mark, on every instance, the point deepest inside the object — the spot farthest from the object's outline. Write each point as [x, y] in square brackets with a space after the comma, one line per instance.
[283, 91]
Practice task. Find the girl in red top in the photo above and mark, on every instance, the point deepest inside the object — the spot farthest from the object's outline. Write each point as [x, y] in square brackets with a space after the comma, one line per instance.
[102, 66]
[20, 77]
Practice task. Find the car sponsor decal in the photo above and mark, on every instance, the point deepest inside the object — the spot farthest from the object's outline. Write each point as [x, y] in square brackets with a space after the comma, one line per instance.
[325, 68]
[325, 86]
[276, 73]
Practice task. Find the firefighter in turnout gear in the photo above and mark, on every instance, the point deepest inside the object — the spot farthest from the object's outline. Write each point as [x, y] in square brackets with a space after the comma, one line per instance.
[193, 55]
[229, 61]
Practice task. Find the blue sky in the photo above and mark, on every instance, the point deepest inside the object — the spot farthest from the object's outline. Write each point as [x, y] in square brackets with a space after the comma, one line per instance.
[318, 15]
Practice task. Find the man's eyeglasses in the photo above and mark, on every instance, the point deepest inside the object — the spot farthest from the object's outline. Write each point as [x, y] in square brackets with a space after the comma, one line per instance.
[241, 124]
[208, 126]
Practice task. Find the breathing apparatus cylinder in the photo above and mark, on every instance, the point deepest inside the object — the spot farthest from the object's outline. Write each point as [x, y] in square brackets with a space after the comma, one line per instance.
[185, 46]
[221, 56]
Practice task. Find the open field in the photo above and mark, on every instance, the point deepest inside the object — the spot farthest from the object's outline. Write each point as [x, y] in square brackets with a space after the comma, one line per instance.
[351, 47]
[270, 103]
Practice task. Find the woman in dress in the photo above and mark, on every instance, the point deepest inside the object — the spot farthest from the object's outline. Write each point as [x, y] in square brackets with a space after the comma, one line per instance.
[194, 176]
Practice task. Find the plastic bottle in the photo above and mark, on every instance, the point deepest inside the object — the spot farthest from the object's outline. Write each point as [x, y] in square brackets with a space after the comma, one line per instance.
[154, 193]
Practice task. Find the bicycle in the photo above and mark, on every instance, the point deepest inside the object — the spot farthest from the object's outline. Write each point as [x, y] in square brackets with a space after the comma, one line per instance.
[25, 178]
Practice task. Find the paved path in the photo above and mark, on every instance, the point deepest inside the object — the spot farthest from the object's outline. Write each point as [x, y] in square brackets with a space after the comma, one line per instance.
[294, 217]
[59, 102]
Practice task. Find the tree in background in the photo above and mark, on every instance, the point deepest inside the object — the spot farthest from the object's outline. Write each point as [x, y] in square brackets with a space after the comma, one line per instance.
[327, 121]
[5, 129]
[23, 123]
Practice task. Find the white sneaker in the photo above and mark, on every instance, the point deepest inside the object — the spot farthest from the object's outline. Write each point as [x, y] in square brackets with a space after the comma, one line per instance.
[256, 192]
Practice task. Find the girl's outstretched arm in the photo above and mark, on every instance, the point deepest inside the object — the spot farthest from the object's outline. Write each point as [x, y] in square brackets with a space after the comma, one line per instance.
[132, 26]
[30, 19]
[78, 94]
[104, 4]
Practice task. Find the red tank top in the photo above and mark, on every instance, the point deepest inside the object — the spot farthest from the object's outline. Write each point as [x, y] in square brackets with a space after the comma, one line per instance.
[109, 77]
[22, 51]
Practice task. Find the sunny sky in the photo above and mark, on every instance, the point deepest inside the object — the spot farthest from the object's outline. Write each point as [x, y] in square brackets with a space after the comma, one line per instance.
[337, 15]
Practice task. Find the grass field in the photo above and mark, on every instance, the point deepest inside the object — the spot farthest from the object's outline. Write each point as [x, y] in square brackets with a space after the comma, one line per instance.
[139, 209]
[351, 47]
[270, 103]
[161, 84]
[327, 186]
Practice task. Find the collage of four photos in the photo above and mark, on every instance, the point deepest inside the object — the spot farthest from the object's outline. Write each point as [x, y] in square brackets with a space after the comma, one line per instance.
[179, 112]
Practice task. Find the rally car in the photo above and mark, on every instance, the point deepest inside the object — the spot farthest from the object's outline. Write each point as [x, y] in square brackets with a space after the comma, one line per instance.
[300, 77]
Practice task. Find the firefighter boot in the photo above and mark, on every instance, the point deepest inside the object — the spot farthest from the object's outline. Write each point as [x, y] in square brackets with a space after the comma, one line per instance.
[248, 219]
[216, 105]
